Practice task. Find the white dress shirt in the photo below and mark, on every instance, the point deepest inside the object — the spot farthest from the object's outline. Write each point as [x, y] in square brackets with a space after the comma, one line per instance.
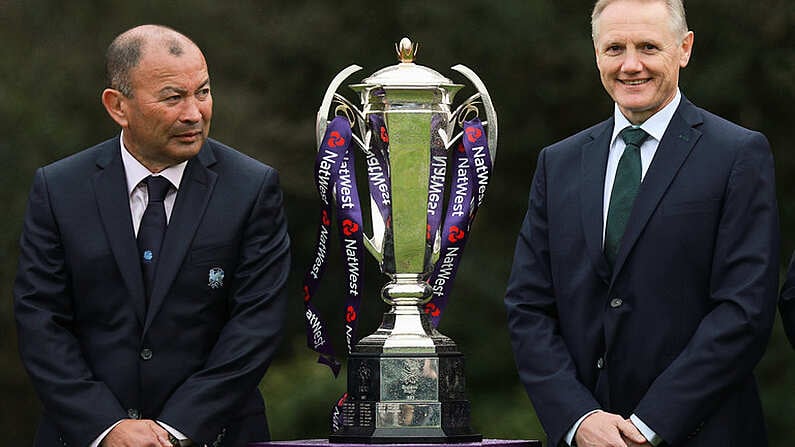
[139, 194]
[139, 198]
[655, 126]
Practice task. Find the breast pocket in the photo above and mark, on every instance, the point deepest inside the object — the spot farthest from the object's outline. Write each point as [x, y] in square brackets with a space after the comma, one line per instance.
[208, 269]
[689, 229]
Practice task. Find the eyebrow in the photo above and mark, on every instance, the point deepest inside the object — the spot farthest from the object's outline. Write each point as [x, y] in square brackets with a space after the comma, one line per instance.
[611, 44]
[170, 89]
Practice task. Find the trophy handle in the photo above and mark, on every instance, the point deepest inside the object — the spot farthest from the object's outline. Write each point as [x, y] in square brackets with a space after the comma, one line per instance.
[322, 113]
[491, 114]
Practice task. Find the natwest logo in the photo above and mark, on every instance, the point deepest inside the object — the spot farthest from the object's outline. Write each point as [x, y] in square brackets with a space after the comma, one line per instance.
[349, 227]
[432, 310]
[335, 139]
[456, 234]
[473, 133]
[384, 135]
[350, 314]
[324, 218]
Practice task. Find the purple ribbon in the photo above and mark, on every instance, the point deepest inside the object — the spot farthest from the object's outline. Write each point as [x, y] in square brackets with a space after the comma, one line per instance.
[336, 144]
[379, 181]
[337, 416]
[349, 218]
[378, 168]
[471, 172]
[436, 179]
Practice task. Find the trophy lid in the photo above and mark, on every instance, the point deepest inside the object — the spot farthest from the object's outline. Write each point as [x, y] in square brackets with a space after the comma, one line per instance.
[406, 73]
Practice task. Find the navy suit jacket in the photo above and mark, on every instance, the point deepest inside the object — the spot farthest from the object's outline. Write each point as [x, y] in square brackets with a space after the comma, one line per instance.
[674, 331]
[194, 359]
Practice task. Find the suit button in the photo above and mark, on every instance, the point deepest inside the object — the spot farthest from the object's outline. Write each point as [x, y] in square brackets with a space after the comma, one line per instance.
[600, 364]
[616, 302]
[146, 354]
[133, 413]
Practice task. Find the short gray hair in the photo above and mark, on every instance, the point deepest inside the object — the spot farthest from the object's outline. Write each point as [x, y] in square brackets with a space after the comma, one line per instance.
[124, 53]
[676, 10]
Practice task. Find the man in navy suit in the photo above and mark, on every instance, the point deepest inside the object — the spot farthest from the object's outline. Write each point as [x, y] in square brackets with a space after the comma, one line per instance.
[176, 358]
[644, 281]
[786, 303]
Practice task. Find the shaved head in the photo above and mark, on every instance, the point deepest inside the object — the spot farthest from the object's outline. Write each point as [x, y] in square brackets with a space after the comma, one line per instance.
[124, 53]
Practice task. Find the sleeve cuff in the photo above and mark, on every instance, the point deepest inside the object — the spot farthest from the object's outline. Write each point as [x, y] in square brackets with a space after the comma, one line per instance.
[573, 431]
[650, 435]
[103, 434]
[174, 432]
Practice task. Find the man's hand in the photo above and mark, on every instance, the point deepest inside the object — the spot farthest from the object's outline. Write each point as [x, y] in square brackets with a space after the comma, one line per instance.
[602, 429]
[631, 443]
[137, 433]
[635, 444]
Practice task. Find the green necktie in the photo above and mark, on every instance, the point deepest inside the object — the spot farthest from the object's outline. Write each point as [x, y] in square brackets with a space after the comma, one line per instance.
[625, 188]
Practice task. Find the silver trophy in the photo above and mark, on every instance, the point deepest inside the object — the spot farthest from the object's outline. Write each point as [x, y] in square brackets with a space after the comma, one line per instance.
[406, 380]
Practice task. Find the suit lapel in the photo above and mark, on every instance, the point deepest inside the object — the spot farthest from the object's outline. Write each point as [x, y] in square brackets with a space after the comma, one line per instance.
[676, 144]
[594, 164]
[194, 193]
[110, 187]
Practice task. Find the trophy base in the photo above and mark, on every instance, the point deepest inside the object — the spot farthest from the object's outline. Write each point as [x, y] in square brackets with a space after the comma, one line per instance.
[406, 385]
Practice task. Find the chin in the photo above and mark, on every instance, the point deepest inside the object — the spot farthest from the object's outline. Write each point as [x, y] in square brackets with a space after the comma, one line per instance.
[634, 104]
[634, 107]
[184, 152]
[193, 150]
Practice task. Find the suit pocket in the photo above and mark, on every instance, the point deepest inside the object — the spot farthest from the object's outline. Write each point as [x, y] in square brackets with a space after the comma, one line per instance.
[207, 268]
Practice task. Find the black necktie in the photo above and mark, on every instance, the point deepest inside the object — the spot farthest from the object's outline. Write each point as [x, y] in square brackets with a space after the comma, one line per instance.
[625, 188]
[152, 229]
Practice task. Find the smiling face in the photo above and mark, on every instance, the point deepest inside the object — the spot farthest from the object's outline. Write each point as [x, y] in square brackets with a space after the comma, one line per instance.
[166, 118]
[639, 56]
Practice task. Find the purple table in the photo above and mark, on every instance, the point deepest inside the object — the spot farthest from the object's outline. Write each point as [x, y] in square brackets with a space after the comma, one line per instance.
[325, 443]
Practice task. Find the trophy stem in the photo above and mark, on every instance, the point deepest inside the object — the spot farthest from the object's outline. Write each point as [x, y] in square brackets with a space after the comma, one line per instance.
[409, 331]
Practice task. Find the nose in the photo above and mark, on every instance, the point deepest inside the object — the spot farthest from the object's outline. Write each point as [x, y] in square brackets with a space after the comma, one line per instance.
[631, 62]
[191, 111]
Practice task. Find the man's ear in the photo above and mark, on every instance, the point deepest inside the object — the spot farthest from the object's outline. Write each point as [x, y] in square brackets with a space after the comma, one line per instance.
[687, 49]
[114, 102]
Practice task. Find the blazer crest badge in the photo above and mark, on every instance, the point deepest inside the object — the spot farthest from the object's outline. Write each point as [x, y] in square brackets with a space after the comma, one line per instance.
[216, 278]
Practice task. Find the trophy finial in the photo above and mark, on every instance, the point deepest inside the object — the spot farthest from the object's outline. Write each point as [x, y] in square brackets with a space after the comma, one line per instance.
[406, 50]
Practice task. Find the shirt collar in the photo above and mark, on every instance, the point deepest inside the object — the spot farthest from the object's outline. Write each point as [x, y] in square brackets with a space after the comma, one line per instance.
[654, 126]
[136, 172]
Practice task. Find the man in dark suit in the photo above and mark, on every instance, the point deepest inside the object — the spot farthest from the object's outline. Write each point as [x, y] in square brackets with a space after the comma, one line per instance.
[786, 302]
[644, 281]
[162, 340]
